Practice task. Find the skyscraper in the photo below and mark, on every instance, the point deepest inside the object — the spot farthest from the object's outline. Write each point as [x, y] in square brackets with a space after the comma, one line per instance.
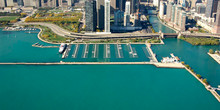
[29, 2]
[114, 4]
[10, 2]
[20, 2]
[162, 9]
[118, 17]
[90, 15]
[182, 21]
[217, 21]
[173, 13]
[200, 8]
[37, 3]
[127, 13]
[169, 11]
[211, 7]
[133, 4]
[2, 3]
[107, 15]
[156, 3]
[122, 5]
[70, 2]
[177, 14]
[100, 13]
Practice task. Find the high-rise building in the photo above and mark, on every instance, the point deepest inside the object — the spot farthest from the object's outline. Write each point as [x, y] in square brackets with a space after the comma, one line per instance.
[177, 14]
[217, 21]
[127, 13]
[107, 15]
[20, 2]
[70, 2]
[90, 15]
[29, 2]
[10, 2]
[2, 3]
[100, 13]
[173, 13]
[52, 3]
[211, 7]
[122, 5]
[182, 21]
[156, 3]
[133, 5]
[37, 3]
[169, 11]
[113, 4]
[162, 9]
[118, 18]
[200, 8]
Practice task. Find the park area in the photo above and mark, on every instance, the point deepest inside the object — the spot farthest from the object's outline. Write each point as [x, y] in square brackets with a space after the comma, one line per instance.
[8, 18]
[69, 20]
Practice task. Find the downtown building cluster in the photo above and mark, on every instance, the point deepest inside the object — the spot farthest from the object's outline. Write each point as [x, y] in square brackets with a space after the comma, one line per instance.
[205, 12]
[37, 3]
[98, 14]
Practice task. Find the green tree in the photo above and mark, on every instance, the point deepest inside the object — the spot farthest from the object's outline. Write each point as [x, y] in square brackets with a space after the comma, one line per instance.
[211, 51]
[205, 81]
[199, 76]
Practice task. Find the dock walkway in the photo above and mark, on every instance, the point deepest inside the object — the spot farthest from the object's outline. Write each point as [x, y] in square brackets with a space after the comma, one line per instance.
[153, 56]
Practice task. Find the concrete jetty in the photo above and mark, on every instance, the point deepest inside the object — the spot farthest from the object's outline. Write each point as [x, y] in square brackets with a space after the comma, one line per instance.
[118, 50]
[86, 51]
[153, 56]
[160, 65]
[214, 93]
[107, 51]
[215, 57]
[75, 51]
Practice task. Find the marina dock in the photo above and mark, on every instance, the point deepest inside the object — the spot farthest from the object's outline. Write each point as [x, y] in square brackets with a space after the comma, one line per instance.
[152, 55]
[42, 46]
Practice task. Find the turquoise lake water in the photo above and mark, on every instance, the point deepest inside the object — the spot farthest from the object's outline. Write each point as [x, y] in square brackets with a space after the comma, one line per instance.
[103, 87]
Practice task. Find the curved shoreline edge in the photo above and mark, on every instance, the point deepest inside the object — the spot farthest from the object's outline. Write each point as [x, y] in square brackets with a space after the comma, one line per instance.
[39, 34]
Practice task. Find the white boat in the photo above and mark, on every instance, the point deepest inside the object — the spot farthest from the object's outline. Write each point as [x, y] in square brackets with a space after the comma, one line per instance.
[62, 48]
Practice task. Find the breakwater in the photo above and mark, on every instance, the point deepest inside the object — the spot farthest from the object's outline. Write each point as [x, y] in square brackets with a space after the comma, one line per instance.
[160, 65]
[208, 87]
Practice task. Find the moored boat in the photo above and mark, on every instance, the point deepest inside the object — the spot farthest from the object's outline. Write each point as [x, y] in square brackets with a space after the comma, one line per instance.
[62, 48]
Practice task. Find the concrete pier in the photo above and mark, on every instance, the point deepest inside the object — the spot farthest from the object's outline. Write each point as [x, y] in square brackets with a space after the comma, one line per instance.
[86, 51]
[153, 56]
[107, 51]
[75, 51]
[118, 50]
[214, 93]
[215, 57]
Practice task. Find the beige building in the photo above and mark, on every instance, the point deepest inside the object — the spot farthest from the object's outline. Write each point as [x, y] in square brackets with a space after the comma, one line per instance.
[10, 3]
[2, 3]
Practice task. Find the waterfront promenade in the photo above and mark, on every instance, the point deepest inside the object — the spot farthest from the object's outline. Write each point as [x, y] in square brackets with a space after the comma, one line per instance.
[65, 33]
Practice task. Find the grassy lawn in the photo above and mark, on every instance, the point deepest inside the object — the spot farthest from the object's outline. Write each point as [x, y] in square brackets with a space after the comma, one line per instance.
[8, 18]
[48, 35]
[201, 41]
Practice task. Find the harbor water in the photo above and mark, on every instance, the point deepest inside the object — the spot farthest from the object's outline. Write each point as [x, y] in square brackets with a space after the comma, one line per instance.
[103, 87]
